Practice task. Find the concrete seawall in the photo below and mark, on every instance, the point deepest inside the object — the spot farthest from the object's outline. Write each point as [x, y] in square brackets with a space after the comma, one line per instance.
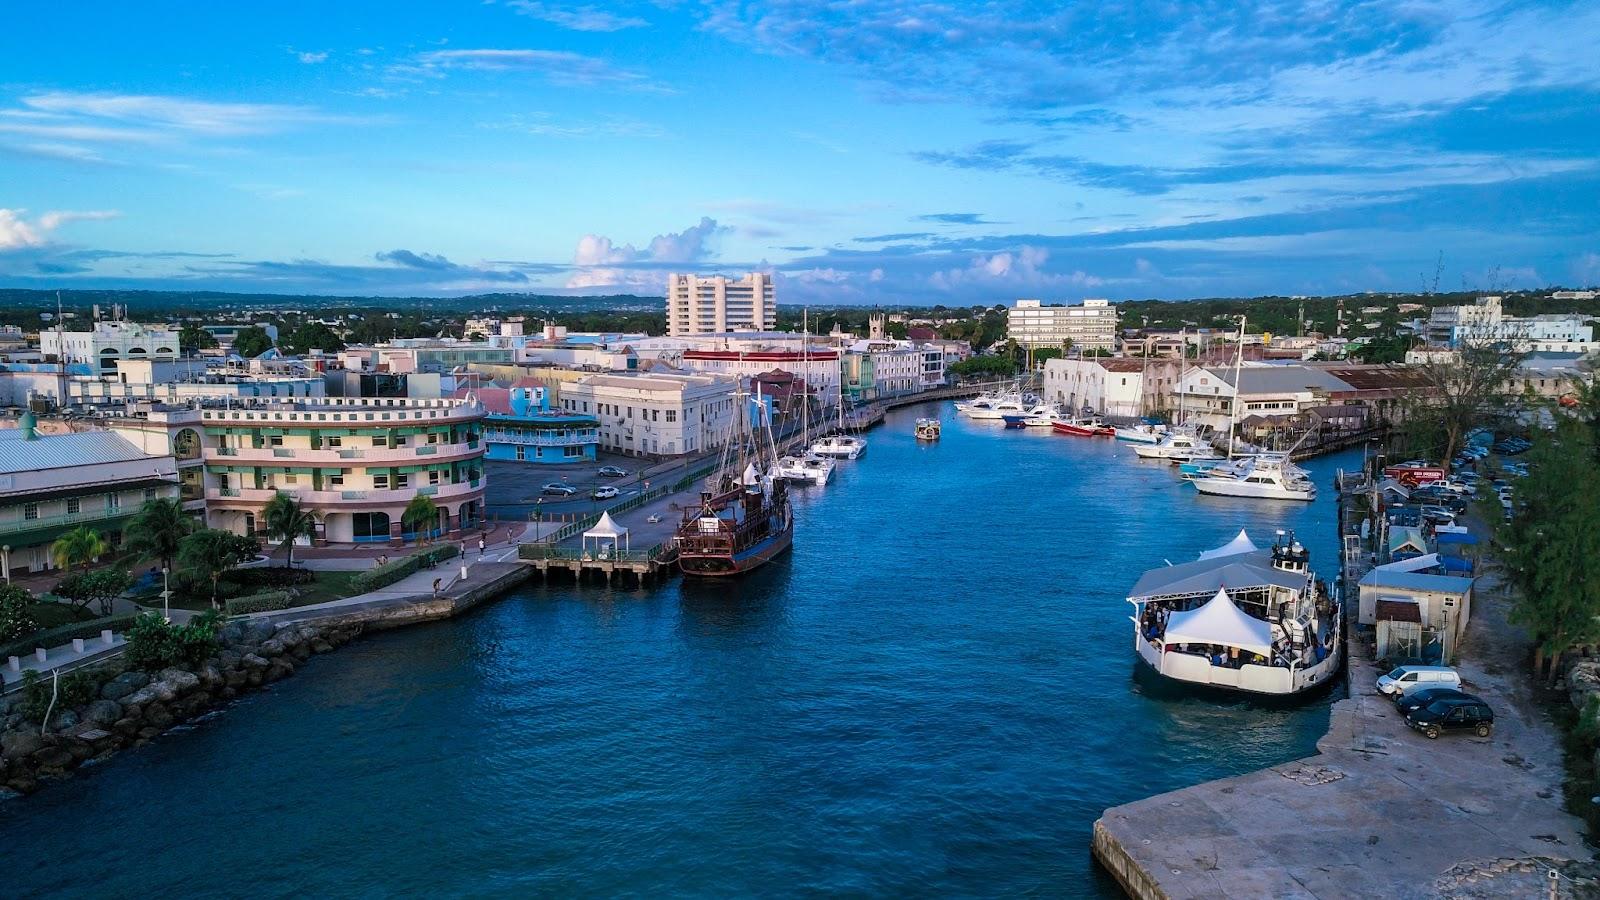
[487, 580]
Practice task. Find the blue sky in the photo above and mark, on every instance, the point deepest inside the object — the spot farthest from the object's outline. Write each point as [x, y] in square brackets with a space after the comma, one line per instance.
[897, 151]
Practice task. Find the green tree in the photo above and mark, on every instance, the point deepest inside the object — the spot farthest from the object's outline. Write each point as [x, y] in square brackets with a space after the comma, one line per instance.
[192, 338]
[1553, 544]
[251, 342]
[157, 529]
[310, 336]
[210, 552]
[1461, 391]
[103, 586]
[78, 547]
[420, 517]
[285, 520]
[154, 643]
[986, 366]
[16, 615]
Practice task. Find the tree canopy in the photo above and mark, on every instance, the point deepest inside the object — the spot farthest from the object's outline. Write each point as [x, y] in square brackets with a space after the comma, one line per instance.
[251, 342]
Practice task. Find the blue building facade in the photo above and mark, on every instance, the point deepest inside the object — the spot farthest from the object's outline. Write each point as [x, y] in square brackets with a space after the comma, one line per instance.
[521, 427]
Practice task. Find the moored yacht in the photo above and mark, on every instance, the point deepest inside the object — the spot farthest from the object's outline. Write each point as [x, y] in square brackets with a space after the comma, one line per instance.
[1142, 433]
[1039, 414]
[840, 446]
[1179, 443]
[999, 408]
[1239, 618]
[1088, 426]
[1266, 477]
[807, 469]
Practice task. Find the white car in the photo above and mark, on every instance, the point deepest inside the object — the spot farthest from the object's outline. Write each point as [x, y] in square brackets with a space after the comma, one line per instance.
[605, 493]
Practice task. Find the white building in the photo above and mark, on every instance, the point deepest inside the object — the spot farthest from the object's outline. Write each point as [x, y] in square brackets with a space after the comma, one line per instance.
[700, 305]
[1206, 394]
[1485, 322]
[1089, 327]
[655, 414]
[1115, 386]
[109, 342]
[818, 367]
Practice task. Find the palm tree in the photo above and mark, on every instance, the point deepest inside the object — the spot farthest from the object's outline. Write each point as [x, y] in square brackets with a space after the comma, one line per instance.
[285, 519]
[156, 530]
[420, 516]
[210, 552]
[78, 547]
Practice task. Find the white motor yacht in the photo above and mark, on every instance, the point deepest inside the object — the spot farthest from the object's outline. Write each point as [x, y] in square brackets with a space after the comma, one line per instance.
[1270, 477]
[1179, 444]
[1011, 404]
[807, 469]
[1143, 433]
[840, 446]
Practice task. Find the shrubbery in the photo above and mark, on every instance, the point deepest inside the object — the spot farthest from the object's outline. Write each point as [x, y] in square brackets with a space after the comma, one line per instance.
[390, 572]
[102, 585]
[16, 620]
[154, 643]
[266, 602]
[75, 689]
[269, 577]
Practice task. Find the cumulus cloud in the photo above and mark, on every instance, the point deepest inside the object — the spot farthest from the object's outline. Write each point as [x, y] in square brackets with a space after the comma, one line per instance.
[601, 261]
[311, 58]
[17, 232]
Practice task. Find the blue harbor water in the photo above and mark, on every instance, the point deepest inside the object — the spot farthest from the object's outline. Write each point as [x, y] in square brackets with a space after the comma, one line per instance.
[935, 692]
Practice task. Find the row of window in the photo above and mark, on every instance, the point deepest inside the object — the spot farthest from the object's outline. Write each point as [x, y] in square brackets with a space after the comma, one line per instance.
[112, 502]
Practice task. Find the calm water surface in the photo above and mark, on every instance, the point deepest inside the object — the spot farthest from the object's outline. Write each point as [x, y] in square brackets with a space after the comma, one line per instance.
[935, 692]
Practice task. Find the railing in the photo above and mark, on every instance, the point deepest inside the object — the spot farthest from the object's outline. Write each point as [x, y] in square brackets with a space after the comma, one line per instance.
[497, 437]
[546, 552]
[63, 519]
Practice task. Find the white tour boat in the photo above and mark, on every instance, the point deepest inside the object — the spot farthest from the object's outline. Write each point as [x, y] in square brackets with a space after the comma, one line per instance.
[1239, 618]
[808, 469]
[1180, 444]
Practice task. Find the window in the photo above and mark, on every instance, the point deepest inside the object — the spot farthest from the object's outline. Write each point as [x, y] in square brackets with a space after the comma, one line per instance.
[113, 502]
[522, 452]
[275, 440]
[379, 440]
[401, 440]
[30, 511]
[402, 480]
[335, 441]
[380, 482]
[572, 452]
[433, 474]
[338, 480]
[672, 415]
[289, 478]
[74, 506]
[149, 494]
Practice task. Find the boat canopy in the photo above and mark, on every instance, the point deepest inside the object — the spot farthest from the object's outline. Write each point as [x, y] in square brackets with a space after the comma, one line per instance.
[1240, 544]
[1239, 572]
[1220, 622]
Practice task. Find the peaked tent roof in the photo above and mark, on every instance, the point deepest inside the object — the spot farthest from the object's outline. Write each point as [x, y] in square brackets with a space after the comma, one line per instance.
[605, 528]
[1204, 576]
[1220, 622]
[1240, 544]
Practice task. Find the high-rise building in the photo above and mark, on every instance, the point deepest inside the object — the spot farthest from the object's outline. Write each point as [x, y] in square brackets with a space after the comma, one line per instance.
[714, 305]
[1092, 326]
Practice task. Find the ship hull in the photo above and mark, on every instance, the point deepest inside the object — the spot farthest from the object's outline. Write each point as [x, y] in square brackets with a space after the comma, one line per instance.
[723, 565]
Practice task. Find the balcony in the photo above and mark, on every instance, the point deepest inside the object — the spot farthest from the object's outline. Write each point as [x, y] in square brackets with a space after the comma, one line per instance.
[101, 514]
[541, 440]
[336, 499]
[307, 456]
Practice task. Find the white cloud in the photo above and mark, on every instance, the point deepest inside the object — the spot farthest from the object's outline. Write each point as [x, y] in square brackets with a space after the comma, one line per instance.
[555, 66]
[601, 261]
[581, 18]
[177, 113]
[1022, 268]
[312, 58]
[17, 232]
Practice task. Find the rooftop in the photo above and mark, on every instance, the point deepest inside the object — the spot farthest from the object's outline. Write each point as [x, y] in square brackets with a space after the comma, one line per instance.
[56, 451]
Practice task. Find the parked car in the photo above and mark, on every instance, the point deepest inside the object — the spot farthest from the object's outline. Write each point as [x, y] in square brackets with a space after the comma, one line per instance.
[1438, 515]
[1453, 714]
[1420, 698]
[557, 489]
[605, 493]
[1405, 679]
[613, 472]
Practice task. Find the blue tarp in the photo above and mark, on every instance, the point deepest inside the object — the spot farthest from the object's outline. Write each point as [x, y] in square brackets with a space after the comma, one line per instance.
[1454, 537]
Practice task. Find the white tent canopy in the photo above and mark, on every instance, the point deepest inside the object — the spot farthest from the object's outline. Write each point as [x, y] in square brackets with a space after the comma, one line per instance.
[603, 531]
[1414, 564]
[1240, 544]
[1220, 622]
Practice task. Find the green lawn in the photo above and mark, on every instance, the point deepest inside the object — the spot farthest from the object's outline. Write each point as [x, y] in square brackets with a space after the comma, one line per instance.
[328, 586]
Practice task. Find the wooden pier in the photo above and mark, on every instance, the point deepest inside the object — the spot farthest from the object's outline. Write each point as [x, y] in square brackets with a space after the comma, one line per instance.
[620, 568]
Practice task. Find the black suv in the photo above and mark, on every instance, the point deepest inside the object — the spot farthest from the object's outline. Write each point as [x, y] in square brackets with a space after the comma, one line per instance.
[1407, 703]
[1453, 714]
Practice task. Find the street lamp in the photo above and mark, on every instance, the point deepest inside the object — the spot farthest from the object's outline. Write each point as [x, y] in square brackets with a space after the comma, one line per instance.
[166, 595]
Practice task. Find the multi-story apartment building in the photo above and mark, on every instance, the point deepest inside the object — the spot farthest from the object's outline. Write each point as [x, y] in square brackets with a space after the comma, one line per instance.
[701, 305]
[162, 430]
[1115, 386]
[354, 462]
[51, 484]
[522, 427]
[1091, 326]
[1485, 322]
[107, 342]
[875, 370]
[655, 414]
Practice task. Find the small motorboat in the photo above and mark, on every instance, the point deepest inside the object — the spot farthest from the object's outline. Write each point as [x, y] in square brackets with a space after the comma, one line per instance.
[928, 429]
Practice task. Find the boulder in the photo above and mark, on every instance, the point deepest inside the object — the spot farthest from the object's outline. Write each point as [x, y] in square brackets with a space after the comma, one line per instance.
[231, 633]
[18, 744]
[127, 726]
[158, 715]
[1583, 680]
[228, 659]
[102, 712]
[181, 681]
[53, 758]
[252, 661]
[116, 689]
[256, 631]
[281, 668]
[63, 720]
[23, 784]
[301, 651]
[210, 675]
[271, 648]
[148, 732]
[321, 646]
[234, 678]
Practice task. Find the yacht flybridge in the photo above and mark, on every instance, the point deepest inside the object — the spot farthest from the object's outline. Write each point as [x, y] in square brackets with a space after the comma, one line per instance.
[1239, 618]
